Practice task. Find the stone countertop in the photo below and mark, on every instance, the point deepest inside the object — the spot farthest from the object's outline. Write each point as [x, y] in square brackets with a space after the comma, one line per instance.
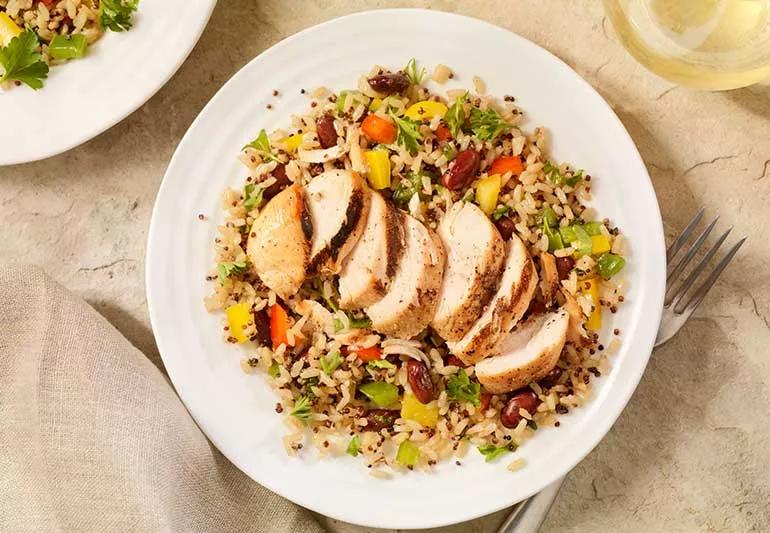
[691, 452]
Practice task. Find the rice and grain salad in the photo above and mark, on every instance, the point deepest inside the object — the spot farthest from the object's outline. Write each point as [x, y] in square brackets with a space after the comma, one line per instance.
[409, 402]
[37, 33]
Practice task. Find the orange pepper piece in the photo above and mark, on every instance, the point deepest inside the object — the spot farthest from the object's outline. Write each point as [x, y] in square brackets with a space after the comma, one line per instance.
[379, 129]
[501, 165]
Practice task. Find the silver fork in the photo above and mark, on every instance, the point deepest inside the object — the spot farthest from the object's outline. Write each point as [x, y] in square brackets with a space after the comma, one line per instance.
[678, 306]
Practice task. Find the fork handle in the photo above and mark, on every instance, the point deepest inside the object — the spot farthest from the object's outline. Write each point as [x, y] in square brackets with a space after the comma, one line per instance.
[527, 516]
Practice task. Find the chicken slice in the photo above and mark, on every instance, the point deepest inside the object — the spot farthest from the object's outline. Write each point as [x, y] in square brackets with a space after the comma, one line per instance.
[529, 353]
[368, 269]
[279, 245]
[508, 305]
[409, 303]
[338, 201]
[475, 252]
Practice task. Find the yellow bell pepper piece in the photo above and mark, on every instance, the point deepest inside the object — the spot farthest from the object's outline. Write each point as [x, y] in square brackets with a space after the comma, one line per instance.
[379, 168]
[238, 316]
[375, 104]
[591, 289]
[487, 192]
[293, 142]
[426, 110]
[8, 29]
[600, 244]
[424, 414]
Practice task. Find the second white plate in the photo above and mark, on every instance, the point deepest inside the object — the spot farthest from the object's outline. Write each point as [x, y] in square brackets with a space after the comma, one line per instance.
[237, 411]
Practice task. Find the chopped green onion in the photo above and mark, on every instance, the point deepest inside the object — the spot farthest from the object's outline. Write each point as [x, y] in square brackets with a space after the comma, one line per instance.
[549, 216]
[360, 323]
[274, 371]
[501, 211]
[354, 447]
[492, 452]
[555, 242]
[450, 152]
[407, 454]
[610, 264]
[380, 364]
[593, 228]
[63, 47]
[381, 393]
[330, 362]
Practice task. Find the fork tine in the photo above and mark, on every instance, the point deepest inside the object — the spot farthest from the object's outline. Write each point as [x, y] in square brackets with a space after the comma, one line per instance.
[681, 290]
[700, 294]
[682, 238]
[674, 274]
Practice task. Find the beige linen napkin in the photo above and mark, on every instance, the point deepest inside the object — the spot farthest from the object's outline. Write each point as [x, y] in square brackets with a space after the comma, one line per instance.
[93, 438]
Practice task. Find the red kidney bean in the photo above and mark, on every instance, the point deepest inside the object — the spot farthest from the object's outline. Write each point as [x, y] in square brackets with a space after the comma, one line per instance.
[564, 266]
[419, 379]
[462, 170]
[453, 360]
[524, 399]
[389, 83]
[506, 227]
[281, 182]
[327, 135]
[379, 419]
[262, 322]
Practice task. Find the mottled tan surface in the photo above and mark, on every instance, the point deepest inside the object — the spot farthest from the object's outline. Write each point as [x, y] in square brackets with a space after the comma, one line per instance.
[692, 450]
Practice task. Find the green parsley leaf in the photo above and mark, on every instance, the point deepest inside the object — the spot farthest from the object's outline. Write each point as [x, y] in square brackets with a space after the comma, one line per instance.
[460, 388]
[302, 408]
[354, 446]
[408, 187]
[492, 452]
[253, 196]
[22, 62]
[501, 211]
[274, 371]
[225, 270]
[380, 364]
[487, 125]
[330, 362]
[409, 135]
[262, 145]
[556, 177]
[455, 115]
[116, 14]
[415, 76]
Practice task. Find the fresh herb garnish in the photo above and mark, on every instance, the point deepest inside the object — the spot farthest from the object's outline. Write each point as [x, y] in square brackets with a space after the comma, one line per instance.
[354, 446]
[227, 269]
[409, 135]
[455, 115]
[252, 196]
[275, 370]
[262, 145]
[501, 211]
[460, 388]
[330, 362]
[22, 62]
[415, 76]
[492, 452]
[116, 14]
[360, 323]
[380, 364]
[556, 176]
[487, 125]
[302, 409]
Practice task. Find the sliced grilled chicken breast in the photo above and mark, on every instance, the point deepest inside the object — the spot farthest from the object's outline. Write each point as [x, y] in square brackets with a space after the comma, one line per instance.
[412, 295]
[338, 201]
[279, 245]
[475, 252]
[508, 305]
[368, 269]
[529, 353]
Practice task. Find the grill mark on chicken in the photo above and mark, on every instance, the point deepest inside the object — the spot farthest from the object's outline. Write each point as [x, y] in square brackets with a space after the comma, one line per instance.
[352, 218]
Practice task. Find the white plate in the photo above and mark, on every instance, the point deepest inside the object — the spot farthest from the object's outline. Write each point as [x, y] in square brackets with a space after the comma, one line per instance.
[120, 72]
[236, 411]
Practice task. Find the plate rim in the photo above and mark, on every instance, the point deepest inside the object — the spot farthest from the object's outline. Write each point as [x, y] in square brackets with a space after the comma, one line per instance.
[150, 91]
[601, 427]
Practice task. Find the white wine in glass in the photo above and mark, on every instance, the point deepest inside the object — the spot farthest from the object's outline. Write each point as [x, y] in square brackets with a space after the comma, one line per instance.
[704, 44]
